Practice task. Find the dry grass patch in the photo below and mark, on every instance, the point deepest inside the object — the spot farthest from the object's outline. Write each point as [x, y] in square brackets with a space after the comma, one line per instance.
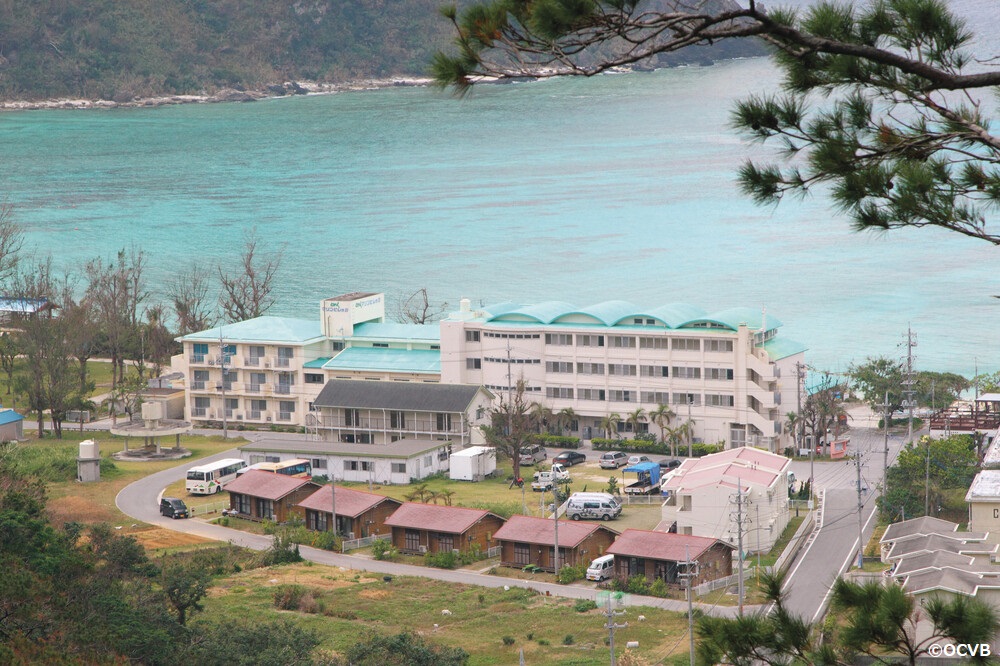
[82, 510]
[155, 538]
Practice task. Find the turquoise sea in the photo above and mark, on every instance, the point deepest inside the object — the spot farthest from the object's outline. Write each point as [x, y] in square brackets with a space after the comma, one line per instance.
[617, 187]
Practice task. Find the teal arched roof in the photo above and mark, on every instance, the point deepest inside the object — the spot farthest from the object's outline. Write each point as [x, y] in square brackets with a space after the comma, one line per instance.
[733, 317]
[675, 314]
[544, 313]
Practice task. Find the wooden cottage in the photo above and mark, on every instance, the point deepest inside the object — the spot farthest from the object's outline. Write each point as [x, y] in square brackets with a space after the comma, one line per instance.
[261, 495]
[429, 528]
[662, 555]
[359, 513]
[524, 540]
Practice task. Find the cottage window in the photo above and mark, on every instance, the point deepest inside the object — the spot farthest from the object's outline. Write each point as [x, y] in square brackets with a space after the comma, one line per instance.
[522, 554]
[446, 542]
[412, 540]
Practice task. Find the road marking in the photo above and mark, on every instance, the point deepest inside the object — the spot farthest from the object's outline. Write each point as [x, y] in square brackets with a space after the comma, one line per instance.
[812, 540]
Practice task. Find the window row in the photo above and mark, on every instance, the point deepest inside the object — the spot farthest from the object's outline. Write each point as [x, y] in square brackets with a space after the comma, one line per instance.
[645, 397]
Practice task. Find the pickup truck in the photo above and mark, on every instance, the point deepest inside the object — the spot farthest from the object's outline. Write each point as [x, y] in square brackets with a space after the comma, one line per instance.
[647, 478]
[543, 481]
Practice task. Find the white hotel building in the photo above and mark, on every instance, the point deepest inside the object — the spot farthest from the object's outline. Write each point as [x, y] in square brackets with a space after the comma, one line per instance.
[729, 372]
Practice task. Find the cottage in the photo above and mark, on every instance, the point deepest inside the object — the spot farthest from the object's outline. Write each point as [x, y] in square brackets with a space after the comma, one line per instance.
[663, 555]
[428, 528]
[359, 514]
[525, 540]
[919, 528]
[261, 495]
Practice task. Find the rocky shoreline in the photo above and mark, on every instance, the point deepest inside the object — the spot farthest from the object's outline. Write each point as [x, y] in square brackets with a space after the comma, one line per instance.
[226, 95]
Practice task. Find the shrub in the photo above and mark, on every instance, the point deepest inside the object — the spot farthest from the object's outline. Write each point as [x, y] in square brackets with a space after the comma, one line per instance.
[556, 441]
[326, 541]
[570, 574]
[634, 585]
[444, 560]
[584, 605]
[288, 597]
[542, 641]
[508, 640]
[383, 549]
[659, 588]
[568, 639]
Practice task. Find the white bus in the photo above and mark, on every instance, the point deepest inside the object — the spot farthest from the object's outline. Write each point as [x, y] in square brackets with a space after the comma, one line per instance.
[210, 478]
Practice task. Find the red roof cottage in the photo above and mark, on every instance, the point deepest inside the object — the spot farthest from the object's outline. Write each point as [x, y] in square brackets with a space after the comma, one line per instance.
[661, 555]
[261, 495]
[526, 540]
[422, 528]
[359, 513]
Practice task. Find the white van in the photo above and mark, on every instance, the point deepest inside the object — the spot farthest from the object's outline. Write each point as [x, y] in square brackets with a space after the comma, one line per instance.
[592, 506]
[602, 568]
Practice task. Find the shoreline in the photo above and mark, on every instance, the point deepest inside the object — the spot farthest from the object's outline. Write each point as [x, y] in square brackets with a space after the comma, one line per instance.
[277, 91]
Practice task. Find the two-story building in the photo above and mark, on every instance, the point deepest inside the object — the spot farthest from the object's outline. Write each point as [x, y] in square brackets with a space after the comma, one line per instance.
[723, 494]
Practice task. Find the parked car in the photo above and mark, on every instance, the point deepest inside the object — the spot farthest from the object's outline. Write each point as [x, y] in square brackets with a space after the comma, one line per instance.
[570, 458]
[593, 506]
[602, 568]
[635, 460]
[613, 460]
[532, 454]
[669, 464]
[543, 481]
[171, 507]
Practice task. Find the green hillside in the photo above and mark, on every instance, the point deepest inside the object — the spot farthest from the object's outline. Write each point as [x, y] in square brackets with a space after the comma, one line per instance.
[127, 49]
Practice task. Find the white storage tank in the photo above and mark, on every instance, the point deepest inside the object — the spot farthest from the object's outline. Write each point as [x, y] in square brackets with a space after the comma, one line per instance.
[88, 463]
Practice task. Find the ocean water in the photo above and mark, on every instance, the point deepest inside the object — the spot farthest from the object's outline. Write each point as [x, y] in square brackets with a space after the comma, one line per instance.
[617, 187]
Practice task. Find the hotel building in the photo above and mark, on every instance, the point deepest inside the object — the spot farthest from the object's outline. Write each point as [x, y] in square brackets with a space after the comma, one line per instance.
[727, 372]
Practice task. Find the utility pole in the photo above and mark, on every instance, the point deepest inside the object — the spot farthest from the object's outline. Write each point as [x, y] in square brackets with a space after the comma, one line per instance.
[799, 423]
[885, 450]
[333, 504]
[222, 384]
[555, 516]
[690, 427]
[739, 519]
[610, 625]
[861, 539]
[908, 383]
[688, 575]
[927, 479]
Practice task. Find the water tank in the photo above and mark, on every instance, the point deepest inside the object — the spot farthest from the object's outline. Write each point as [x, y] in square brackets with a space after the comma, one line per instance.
[89, 449]
[152, 411]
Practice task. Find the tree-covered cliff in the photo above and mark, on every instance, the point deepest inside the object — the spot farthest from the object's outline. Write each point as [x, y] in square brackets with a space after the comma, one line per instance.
[124, 49]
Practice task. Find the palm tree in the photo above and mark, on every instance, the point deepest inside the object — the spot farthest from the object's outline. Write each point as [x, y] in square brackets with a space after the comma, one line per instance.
[433, 496]
[634, 418]
[609, 424]
[684, 433]
[565, 419]
[662, 416]
[542, 416]
[419, 494]
[446, 496]
[674, 437]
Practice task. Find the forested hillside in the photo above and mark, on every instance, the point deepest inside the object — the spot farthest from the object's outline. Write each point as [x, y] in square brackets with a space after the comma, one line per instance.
[126, 49]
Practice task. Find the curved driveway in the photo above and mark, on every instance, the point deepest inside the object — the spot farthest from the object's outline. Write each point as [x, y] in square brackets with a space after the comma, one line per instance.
[141, 501]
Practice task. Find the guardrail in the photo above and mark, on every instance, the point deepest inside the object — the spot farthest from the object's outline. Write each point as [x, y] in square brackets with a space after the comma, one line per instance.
[363, 542]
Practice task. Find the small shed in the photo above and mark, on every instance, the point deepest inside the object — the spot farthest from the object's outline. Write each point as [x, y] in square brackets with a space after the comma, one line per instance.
[429, 528]
[11, 425]
[474, 463]
[663, 555]
[359, 513]
[261, 495]
[525, 540]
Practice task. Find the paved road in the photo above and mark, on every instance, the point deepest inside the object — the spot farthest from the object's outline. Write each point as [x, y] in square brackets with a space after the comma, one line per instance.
[141, 501]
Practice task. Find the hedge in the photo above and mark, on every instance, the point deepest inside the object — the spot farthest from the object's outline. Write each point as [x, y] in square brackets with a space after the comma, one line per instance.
[556, 441]
[699, 449]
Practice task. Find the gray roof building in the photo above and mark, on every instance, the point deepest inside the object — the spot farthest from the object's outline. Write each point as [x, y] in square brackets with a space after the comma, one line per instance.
[406, 396]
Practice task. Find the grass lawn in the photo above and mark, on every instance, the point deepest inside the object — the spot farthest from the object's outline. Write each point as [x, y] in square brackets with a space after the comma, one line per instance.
[342, 606]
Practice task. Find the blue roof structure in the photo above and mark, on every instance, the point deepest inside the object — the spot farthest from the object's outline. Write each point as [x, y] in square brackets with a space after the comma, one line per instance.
[10, 416]
[23, 305]
[381, 359]
[779, 348]
[391, 330]
[262, 329]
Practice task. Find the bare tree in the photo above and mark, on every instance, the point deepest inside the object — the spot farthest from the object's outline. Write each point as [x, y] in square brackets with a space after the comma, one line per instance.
[511, 426]
[156, 342]
[418, 309]
[11, 241]
[188, 294]
[246, 294]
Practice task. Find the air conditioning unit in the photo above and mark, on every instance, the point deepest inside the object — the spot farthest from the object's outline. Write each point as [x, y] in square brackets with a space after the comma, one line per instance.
[267, 364]
[268, 419]
[350, 536]
[239, 417]
[423, 549]
[211, 415]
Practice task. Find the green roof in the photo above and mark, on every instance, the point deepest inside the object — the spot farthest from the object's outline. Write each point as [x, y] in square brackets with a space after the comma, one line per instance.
[386, 360]
[317, 363]
[262, 329]
[391, 330]
[779, 348]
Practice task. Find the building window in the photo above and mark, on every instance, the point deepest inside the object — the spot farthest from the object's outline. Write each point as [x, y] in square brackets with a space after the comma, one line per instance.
[265, 508]
[558, 392]
[446, 542]
[412, 540]
[358, 466]
[397, 420]
[318, 463]
[590, 368]
[656, 397]
[622, 341]
[654, 371]
[201, 349]
[443, 422]
[718, 345]
[591, 394]
[686, 344]
[561, 339]
[623, 396]
[428, 461]
[590, 340]
[720, 400]
[472, 336]
[473, 364]
[381, 345]
[684, 372]
[435, 347]
[621, 370]
[316, 520]
[654, 343]
[314, 378]
[352, 417]
[687, 399]
[719, 373]
[558, 366]
[522, 554]
[338, 346]
[398, 468]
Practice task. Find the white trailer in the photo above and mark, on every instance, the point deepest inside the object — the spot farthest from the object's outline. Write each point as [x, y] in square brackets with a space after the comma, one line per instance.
[473, 464]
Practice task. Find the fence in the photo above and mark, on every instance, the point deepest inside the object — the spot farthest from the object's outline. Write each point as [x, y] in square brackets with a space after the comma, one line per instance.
[203, 509]
[792, 549]
[493, 551]
[643, 499]
[712, 585]
[363, 542]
